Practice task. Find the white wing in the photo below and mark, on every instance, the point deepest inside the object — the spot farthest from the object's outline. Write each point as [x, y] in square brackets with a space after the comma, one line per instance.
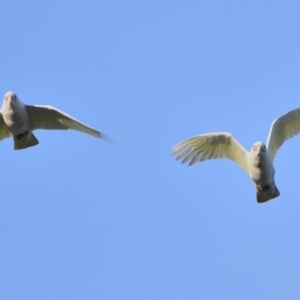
[4, 132]
[211, 146]
[282, 129]
[48, 117]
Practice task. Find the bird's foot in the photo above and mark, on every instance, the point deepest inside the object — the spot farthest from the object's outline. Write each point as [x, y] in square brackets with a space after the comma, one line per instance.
[265, 187]
[20, 136]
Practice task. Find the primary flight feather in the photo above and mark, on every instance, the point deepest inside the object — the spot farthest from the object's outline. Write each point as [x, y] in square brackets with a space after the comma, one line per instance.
[258, 163]
[19, 120]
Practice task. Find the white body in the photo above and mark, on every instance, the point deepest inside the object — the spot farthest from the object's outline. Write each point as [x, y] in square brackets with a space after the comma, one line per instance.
[261, 171]
[16, 118]
[258, 163]
[19, 120]
[15, 115]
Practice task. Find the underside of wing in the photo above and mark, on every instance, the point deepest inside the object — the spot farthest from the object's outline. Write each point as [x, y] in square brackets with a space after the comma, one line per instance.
[282, 129]
[211, 146]
[48, 117]
[4, 132]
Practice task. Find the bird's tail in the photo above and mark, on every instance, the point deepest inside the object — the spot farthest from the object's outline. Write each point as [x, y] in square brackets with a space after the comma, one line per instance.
[264, 194]
[23, 143]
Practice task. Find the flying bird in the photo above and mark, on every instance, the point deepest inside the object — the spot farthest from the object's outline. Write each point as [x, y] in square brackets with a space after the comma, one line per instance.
[19, 120]
[258, 163]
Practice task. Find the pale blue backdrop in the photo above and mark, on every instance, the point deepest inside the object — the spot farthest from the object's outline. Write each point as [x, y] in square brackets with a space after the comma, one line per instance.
[84, 219]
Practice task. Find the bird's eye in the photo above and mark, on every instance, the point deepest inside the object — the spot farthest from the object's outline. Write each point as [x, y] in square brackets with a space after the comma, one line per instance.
[263, 148]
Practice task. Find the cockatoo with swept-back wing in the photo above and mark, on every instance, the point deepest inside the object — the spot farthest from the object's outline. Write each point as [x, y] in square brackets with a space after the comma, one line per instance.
[19, 120]
[258, 163]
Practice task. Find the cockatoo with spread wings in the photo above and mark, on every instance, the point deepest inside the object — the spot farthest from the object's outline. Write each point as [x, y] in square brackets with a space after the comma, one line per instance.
[19, 120]
[258, 163]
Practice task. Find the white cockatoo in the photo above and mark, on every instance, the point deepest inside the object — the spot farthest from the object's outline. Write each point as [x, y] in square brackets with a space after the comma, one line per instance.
[258, 163]
[19, 120]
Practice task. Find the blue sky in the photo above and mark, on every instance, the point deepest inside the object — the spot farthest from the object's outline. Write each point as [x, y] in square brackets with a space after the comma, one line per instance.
[84, 219]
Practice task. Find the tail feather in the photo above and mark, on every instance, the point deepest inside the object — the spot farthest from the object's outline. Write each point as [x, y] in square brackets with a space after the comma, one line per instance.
[265, 195]
[22, 144]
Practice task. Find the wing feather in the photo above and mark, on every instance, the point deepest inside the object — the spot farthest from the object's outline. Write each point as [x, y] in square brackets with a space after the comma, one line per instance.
[49, 117]
[4, 131]
[282, 129]
[212, 145]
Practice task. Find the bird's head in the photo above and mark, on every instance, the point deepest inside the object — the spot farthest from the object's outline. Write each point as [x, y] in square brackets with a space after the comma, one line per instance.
[258, 149]
[11, 99]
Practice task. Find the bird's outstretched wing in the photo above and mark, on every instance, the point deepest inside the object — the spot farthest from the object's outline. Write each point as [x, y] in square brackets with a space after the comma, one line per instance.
[282, 129]
[48, 117]
[211, 146]
[4, 132]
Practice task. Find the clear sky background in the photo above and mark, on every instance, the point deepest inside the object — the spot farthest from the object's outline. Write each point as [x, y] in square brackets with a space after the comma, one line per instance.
[84, 219]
